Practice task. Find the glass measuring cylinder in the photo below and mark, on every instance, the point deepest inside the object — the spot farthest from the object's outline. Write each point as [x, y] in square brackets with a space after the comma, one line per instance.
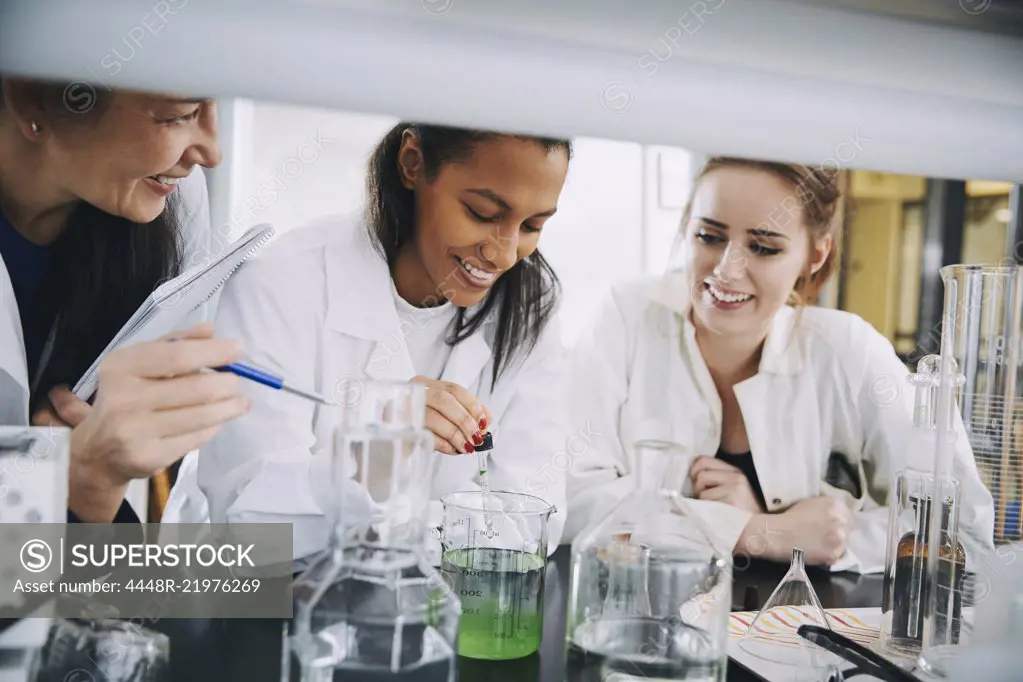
[985, 303]
[977, 381]
[494, 557]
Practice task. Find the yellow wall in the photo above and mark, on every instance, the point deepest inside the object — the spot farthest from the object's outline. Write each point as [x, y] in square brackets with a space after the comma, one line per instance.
[871, 277]
[884, 240]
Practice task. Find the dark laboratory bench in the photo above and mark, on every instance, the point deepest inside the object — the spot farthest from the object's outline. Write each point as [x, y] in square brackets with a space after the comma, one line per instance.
[250, 651]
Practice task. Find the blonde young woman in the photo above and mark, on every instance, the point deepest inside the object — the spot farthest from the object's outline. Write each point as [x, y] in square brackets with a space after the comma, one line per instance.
[761, 391]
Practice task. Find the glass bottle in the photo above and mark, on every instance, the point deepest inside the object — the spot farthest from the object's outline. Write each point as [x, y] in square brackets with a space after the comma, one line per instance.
[371, 607]
[906, 599]
[650, 592]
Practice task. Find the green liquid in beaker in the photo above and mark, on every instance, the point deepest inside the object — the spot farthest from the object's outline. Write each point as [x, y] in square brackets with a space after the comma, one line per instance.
[501, 592]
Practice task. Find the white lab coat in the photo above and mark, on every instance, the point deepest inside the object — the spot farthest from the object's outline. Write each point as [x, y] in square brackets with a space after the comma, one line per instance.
[317, 307]
[827, 382]
[190, 210]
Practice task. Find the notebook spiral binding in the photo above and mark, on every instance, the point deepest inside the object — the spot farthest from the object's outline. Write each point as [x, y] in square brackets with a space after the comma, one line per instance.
[256, 246]
[156, 301]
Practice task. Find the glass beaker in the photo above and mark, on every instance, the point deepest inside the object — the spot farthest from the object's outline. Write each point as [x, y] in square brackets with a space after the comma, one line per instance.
[906, 580]
[494, 557]
[650, 591]
[382, 446]
[371, 606]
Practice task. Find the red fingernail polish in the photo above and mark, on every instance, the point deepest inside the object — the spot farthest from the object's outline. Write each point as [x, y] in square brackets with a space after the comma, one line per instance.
[468, 447]
[477, 439]
[483, 423]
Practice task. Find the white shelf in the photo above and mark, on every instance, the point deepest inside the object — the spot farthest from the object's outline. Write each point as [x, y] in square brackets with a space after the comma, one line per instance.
[940, 97]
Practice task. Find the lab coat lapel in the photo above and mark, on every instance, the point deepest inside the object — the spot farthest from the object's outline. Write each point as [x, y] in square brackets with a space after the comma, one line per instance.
[771, 457]
[777, 444]
[367, 311]
[685, 366]
[466, 361]
[13, 360]
[692, 401]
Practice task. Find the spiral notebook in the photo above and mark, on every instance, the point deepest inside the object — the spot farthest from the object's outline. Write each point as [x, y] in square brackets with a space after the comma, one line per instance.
[174, 301]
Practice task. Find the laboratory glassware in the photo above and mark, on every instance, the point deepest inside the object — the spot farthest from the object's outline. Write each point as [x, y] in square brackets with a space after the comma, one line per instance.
[371, 607]
[906, 581]
[977, 394]
[105, 649]
[650, 589]
[33, 490]
[981, 332]
[773, 633]
[494, 557]
[997, 636]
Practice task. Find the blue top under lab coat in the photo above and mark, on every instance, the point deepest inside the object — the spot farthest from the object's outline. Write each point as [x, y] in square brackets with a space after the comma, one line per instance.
[26, 265]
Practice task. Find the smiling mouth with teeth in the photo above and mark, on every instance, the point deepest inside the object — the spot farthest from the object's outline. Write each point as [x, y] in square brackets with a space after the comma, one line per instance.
[726, 296]
[482, 275]
[166, 179]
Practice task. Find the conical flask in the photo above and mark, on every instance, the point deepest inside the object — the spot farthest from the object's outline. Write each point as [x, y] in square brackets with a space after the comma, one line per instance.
[772, 635]
[650, 593]
[371, 606]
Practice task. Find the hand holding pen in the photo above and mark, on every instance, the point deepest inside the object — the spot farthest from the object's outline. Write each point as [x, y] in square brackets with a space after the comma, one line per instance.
[153, 405]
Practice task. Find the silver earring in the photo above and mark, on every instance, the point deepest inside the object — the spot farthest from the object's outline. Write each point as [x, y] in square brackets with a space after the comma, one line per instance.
[35, 128]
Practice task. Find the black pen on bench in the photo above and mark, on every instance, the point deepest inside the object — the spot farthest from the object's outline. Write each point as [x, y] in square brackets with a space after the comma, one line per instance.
[857, 654]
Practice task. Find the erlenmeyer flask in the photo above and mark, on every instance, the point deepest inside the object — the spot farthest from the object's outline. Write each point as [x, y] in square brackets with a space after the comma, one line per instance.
[628, 591]
[650, 593]
[772, 635]
[371, 607]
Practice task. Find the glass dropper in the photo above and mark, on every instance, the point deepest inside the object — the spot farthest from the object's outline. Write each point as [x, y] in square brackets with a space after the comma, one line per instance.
[482, 452]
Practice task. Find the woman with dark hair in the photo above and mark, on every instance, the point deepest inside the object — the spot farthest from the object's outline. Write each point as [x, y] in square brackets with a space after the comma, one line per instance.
[440, 282]
[101, 200]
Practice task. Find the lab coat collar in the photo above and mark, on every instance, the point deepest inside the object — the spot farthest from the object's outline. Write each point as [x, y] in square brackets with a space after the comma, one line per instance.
[781, 353]
[368, 311]
[13, 360]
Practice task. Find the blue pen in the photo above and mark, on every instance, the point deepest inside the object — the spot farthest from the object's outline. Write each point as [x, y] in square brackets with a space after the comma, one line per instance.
[267, 379]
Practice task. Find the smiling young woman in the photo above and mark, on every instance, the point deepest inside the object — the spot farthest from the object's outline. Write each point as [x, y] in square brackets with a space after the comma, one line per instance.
[722, 357]
[101, 201]
[440, 282]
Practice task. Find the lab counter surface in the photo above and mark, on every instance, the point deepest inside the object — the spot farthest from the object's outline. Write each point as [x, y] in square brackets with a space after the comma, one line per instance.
[250, 650]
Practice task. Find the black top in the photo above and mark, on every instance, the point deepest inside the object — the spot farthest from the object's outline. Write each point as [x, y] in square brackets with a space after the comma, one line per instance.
[744, 463]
